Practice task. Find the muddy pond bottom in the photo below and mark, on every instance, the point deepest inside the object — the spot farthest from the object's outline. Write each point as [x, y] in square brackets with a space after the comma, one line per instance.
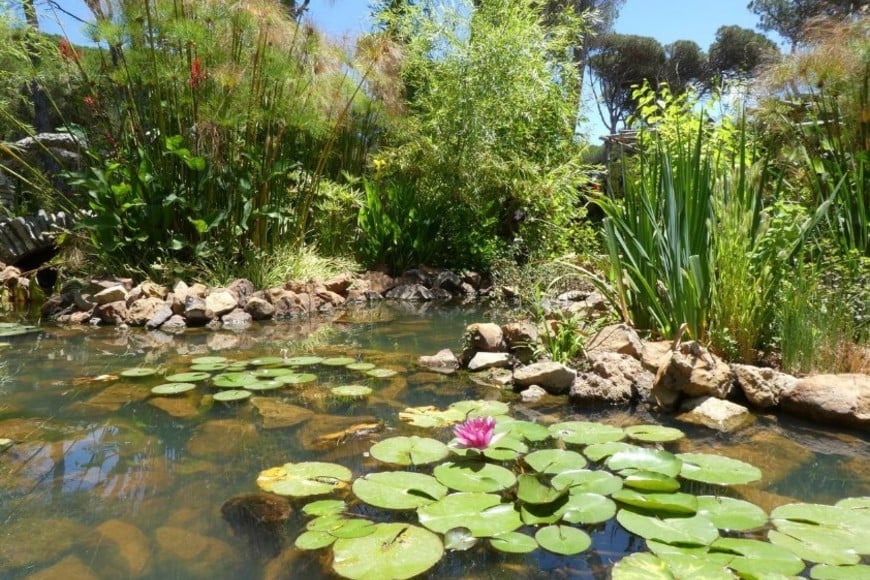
[106, 479]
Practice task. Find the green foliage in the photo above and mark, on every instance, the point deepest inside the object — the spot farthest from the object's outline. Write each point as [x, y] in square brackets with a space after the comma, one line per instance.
[738, 52]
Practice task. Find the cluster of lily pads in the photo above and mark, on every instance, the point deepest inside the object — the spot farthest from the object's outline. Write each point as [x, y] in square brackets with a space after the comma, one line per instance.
[526, 487]
[238, 380]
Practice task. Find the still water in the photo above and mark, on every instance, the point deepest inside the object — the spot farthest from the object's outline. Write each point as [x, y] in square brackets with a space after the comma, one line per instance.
[107, 481]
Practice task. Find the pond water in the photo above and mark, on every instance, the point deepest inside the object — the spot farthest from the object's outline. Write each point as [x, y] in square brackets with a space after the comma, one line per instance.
[107, 481]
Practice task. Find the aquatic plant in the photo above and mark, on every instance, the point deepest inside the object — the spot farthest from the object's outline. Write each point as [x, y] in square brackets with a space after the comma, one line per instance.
[475, 433]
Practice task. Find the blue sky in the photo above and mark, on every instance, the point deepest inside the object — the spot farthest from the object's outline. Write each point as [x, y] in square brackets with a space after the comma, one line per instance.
[665, 20]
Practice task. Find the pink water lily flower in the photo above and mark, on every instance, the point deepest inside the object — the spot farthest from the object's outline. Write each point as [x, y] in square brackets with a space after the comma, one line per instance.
[475, 433]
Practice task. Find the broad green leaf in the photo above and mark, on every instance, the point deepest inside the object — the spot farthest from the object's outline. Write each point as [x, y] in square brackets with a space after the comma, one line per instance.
[324, 507]
[696, 530]
[300, 361]
[852, 525]
[755, 559]
[641, 566]
[314, 540]
[188, 377]
[501, 449]
[585, 433]
[731, 514]
[172, 388]
[394, 550]
[653, 433]
[409, 450]
[430, 417]
[585, 480]
[587, 508]
[360, 366]
[398, 490]
[266, 361]
[514, 543]
[208, 360]
[232, 395]
[233, 380]
[599, 451]
[480, 408]
[477, 476]
[351, 391]
[531, 490]
[381, 373]
[649, 480]
[483, 513]
[717, 469]
[297, 378]
[304, 479]
[555, 461]
[826, 572]
[139, 372]
[654, 460]
[564, 540]
[338, 361]
[527, 430]
[459, 540]
[272, 372]
[661, 503]
[818, 544]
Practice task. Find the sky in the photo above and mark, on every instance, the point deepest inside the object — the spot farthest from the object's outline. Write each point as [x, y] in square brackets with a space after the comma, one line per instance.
[665, 20]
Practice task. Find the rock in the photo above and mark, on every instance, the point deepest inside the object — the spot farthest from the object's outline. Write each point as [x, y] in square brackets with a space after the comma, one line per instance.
[180, 407]
[450, 281]
[179, 295]
[488, 360]
[409, 292]
[619, 338]
[532, 394]
[161, 315]
[36, 540]
[133, 547]
[715, 413]
[842, 400]
[278, 414]
[376, 282]
[68, 567]
[625, 369]
[555, 378]
[260, 518]
[203, 556]
[242, 289]
[591, 388]
[444, 361]
[220, 302]
[142, 311]
[152, 290]
[112, 294]
[653, 354]
[222, 437]
[339, 284]
[113, 397]
[691, 371]
[174, 324]
[196, 312]
[259, 309]
[112, 312]
[763, 387]
[330, 297]
[592, 305]
[238, 318]
[485, 337]
[522, 340]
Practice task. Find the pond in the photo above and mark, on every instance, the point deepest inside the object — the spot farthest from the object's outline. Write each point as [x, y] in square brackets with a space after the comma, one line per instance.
[106, 480]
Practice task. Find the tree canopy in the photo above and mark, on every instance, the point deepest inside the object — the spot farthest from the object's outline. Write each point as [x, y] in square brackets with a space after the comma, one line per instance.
[789, 18]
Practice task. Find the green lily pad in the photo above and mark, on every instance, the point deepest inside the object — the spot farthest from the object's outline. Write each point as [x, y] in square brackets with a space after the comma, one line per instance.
[689, 566]
[695, 530]
[649, 480]
[398, 490]
[669, 503]
[393, 550]
[585, 433]
[188, 377]
[233, 380]
[587, 481]
[755, 559]
[351, 391]
[852, 525]
[381, 373]
[587, 508]
[172, 388]
[139, 372]
[324, 507]
[409, 450]
[731, 514]
[237, 366]
[338, 361]
[599, 451]
[641, 566]
[361, 366]
[476, 476]
[266, 361]
[501, 449]
[271, 372]
[313, 540]
[563, 540]
[304, 479]
[340, 526]
[232, 395]
[534, 514]
[302, 361]
[459, 540]
[531, 490]
[429, 417]
[827, 572]
[654, 460]
[817, 544]
[717, 469]
[209, 368]
[482, 513]
[297, 378]
[653, 433]
[209, 360]
[264, 386]
[514, 543]
[527, 430]
[854, 503]
[555, 461]
[480, 408]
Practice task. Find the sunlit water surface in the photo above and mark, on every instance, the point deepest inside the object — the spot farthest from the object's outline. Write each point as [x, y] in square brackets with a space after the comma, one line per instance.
[105, 481]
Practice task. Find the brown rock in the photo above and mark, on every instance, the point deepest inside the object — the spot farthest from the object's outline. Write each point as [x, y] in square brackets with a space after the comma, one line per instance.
[174, 324]
[485, 337]
[615, 379]
[133, 546]
[112, 312]
[260, 518]
[763, 387]
[196, 311]
[259, 308]
[482, 361]
[691, 371]
[278, 414]
[653, 354]
[180, 407]
[202, 555]
[330, 297]
[222, 436]
[522, 340]
[444, 361]
[69, 567]
[114, 397]
[378, 281]
[553, 377]
[619, 338]
[242, 289]
[238, 318]
[37, 540]
[717, 414]
[842, 400]
[112, 294]
[220, 302]
[339, 284]
[143, 310]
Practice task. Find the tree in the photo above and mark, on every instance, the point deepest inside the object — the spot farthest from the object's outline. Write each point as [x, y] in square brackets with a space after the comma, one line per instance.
[296, 8]
[737, 52]
[686, 65]
[789, 17]
[41, 109]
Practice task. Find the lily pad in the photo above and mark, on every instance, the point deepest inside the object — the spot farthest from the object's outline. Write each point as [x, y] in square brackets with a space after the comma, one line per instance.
[649, 480]
[854, 503]
[853, 525]
[302, 361]
[527, 430]
[641, 566]
[409, 450]
[514, 543]
[587, 508]
[459, 540]
[209, 360]
[555, 461]
[266, 361]
[430, 417]
[695, 530]
[381, 373]
[264, 386]
[398, 490]
[324, 507]
[361, 366]
[476, 476]
[482, 513]
[480, 408]
[669, 503]
[233, 380]
[272, 372]
[731, 514]
[717, 469]
[689, 566]
[755, 559]
[653, 433]
[585, 433]
[827, 572]
[351, 391]
[188, 377]
[304, 479]
[338, 361]
[500, 449]
[393, 550]
[532, 490]
[314, 540]
[209, 367]
[172, 388]
[599, 451]
[587, 481]
[138, 372]
[297, 378]
[232, 395]
[563, 540]
[818, 544]
[654, 460]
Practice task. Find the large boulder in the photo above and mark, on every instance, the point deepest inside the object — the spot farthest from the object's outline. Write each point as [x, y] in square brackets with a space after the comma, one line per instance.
[482, 361]
[693, 371]
[714, 413]
[842, 400]
[220, 302]
[619, 338]
[553, 377]
[144, 309]
[485, 337]
[522, 340]
[444, 361]
[614, 379]
[763, 387]
[410, 292]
